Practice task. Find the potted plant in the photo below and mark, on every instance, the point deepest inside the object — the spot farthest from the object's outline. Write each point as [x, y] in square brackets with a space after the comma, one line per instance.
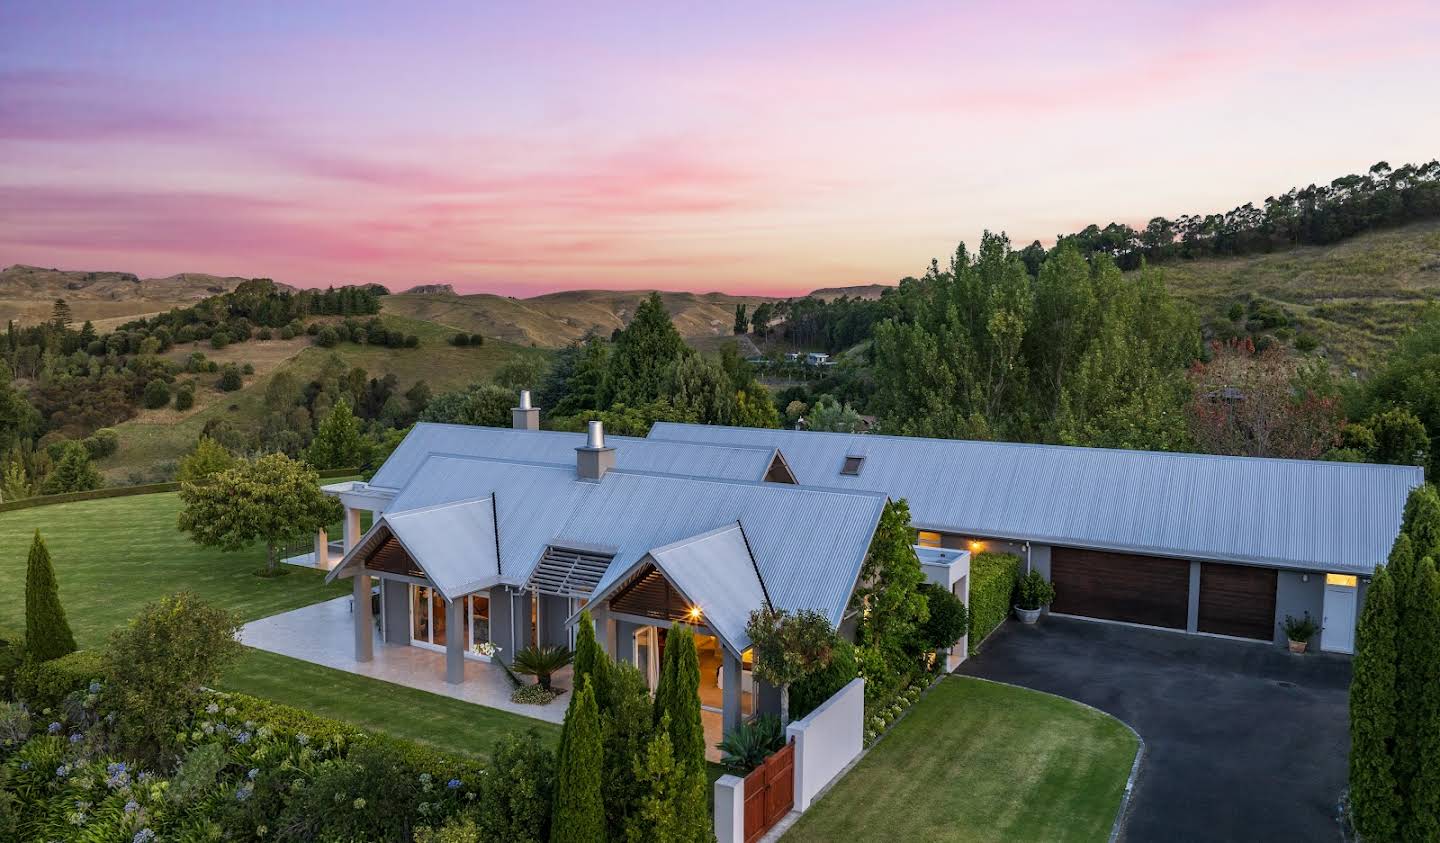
[1299, 631]
[1035, 592]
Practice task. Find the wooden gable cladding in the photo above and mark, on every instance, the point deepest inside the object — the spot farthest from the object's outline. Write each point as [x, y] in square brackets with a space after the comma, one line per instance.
[649, 594]
[391, 558]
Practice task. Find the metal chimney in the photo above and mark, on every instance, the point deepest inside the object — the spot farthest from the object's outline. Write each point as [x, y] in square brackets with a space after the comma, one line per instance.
[594, 459]
[525, 417]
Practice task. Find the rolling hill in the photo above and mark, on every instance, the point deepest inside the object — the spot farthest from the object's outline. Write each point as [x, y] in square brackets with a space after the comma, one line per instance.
[27, 293]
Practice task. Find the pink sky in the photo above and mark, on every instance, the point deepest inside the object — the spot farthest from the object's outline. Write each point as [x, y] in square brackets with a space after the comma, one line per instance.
[523, 148]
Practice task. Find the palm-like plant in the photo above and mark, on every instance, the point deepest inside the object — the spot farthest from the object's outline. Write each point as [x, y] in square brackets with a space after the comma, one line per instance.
[751, 743]
[541, 662]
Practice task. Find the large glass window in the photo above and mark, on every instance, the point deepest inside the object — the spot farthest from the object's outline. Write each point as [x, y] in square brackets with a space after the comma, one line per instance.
[479, 618]
[420, 613]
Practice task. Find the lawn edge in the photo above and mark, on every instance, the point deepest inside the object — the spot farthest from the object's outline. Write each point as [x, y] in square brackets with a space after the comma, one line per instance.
[1122, 811]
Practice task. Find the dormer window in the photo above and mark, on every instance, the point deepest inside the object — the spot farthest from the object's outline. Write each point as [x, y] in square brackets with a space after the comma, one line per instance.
[852, 465]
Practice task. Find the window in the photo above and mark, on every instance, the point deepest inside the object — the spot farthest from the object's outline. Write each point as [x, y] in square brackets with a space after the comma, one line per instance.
[1345, 580]
[928, 539]
[852, 465]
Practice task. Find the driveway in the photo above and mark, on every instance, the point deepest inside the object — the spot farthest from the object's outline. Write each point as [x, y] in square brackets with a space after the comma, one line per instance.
[1242, 741]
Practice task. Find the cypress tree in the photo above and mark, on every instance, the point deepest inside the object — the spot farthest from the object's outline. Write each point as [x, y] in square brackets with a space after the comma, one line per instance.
[47, 633]
[591, 661]
[1374, 800]
[579, 812]
[682, 699]
[1421, 523]
[1417, 742]
[628, 729]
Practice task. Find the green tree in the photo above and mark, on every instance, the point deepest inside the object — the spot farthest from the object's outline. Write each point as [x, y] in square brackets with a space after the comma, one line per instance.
[274, 499]
[678, 695]
[591, 661]
[742, 322]
[1374, 799]
[787, 648]
[230, 378]
[518, 791]
[1399, 438]
[1417, 731]
[641, 353]
[520, 373]
[207, 459]
[19, 421]
[760, 318]
[158, 665]
[629, 725]
[47, 633]
[581, 370]
[579, 811]
[73, 472]
[888, 595]
[667, 813]
[699, 388]
[338, 442]
[755, 408]
[1421, 522]
[830, 415]
[480, 404]
[15, 484]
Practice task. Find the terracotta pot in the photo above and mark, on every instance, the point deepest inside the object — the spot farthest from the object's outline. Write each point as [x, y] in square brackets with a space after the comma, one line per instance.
[1298, 646]
[1027, 615]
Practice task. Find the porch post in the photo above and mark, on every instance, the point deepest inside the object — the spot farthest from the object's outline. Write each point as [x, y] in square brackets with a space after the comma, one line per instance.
[730, 677]
[352, 528]
[364, 620]
[322, 550]
[455, 641]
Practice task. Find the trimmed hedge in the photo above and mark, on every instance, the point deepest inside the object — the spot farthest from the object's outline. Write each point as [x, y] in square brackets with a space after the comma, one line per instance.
[127, 491]
[809, 693]
[44, 685]
[992, 581]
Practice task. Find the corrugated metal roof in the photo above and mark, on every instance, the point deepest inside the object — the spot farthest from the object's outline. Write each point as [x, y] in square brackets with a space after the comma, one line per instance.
[1291, 513]
[807, 543]
[453, 543]
[737, 462]
[715, 570]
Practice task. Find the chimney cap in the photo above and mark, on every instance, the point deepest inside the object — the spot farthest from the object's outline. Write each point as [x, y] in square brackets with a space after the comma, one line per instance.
[596, 437]
[524, 399]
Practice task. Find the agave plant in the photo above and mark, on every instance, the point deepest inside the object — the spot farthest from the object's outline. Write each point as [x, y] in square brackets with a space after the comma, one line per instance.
[541, 662]
[751, 743]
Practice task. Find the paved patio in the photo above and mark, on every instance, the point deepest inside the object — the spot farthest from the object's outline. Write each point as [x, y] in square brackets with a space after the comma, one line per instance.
[323, 634]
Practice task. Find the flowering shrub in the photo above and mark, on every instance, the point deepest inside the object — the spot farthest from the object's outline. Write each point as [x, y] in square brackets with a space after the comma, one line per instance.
[533, 695]
[883, 714]
[488, 649]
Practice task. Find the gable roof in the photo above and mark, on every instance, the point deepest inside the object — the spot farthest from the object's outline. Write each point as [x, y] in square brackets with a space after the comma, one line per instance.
[735, 462]
[807, 544]
[716, 572]
[1292, 513]
[453, 543]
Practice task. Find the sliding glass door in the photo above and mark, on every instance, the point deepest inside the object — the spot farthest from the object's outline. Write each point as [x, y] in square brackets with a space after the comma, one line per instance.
[428, 618]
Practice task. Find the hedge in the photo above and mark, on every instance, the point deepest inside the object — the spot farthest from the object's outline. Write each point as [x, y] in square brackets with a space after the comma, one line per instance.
[809, 693]
[126, 491]
[992, 582]
[44, 685]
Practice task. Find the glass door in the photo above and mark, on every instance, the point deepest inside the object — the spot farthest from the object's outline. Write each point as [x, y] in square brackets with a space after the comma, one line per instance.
[427, 617]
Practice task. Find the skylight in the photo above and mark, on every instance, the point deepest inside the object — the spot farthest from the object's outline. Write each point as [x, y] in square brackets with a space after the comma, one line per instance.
[852, 465]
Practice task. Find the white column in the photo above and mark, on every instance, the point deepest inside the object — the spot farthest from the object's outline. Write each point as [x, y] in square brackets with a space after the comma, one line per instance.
[322, 550]
[730, 809]
[364, 620]
[455, 641]
[352, 528]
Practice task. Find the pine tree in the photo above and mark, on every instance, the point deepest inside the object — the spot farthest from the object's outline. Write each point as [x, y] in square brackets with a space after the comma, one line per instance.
[1374, 800]
[1417, 740]
[642, 351]
[1421, 523]
[579, 812]
[207, 459]
[47, 633]
[338, 443]
[15, 484]
[681, 701]
[73, 473]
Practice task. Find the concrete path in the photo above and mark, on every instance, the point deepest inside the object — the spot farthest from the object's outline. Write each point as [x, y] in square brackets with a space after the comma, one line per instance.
[1244, 742]
[322, 634]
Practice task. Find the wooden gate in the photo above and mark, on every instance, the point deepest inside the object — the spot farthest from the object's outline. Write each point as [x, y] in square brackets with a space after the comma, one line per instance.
[769, 792]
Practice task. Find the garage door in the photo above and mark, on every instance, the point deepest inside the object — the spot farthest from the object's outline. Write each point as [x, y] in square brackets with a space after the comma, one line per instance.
[1237, 600]
[1121, 586]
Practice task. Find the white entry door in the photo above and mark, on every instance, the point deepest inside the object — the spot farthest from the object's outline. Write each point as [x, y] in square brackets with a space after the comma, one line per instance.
[1337, 631]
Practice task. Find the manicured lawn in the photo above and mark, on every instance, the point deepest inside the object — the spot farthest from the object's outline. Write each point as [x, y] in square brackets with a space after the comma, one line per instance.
[115, 555]
[977, 761]
[404, 712]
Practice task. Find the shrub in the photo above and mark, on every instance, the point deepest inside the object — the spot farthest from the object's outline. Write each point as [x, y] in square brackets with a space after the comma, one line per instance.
[460, 340]
[1035, 591]
[541, 662]
[73, 471]
[44, 685]
[476, 339]
[810, 692]
[247, 369]
[102, 443]
[230, 378]
[1301, 628]
[219, 340]
[46, 629]
[157, 667]
[287, 333]
[749, 744]
[948, 622]
[14, 727]
[12, 655]
[455, 830]
[327, 337]
[263, 334]
[157, 394]
[185, 397]
[1306, 342]
[533, 695]
[412, 341]
[518, 790]
[992, 581]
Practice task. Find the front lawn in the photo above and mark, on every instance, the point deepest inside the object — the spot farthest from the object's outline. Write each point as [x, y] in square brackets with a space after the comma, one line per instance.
[978, 761]
[114, 555]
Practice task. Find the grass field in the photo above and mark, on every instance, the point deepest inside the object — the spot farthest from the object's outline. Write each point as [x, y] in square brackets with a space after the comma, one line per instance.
[1356, 297]
[115, 555]
[978, 761]
[155, 437]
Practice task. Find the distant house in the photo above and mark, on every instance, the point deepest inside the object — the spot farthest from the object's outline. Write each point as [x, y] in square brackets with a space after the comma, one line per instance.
[816, 358]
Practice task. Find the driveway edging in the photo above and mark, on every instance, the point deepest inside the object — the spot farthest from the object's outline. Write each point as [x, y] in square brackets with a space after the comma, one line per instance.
[1122, 811]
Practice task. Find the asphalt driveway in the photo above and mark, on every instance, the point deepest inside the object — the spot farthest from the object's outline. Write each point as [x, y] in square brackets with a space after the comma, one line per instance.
[1242, 741]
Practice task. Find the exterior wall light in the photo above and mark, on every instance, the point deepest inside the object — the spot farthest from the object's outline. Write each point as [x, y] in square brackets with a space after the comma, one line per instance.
[694, 613]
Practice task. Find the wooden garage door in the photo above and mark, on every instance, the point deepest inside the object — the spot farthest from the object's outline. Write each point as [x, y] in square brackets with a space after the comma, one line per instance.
[1237, 600]
[1120, 586]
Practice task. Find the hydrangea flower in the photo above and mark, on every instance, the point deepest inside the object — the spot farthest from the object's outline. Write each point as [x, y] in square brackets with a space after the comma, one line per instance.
[453, 784]
[302, 739]
[94, 687]
[132, 806]
[54, 728]
[212, 708]
[77, 737]
[144, 835]
[244, 792]
[254, 771]
[62, 771]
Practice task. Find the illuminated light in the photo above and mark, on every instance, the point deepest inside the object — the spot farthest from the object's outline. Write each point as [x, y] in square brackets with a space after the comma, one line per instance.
[694, 613]
[976, 545]
[1341, 579]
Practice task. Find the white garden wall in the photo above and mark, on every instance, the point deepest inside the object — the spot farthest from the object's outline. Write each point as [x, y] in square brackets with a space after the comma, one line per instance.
[827, 740]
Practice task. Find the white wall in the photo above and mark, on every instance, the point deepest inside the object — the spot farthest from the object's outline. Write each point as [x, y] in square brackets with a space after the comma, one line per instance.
[827, 740]
[730, 809]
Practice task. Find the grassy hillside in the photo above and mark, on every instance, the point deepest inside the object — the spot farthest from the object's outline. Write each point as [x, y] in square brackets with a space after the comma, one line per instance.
[155, 437]
[27, 293]
[1356, 297]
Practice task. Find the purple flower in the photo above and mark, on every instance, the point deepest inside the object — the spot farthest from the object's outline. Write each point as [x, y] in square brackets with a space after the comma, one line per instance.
[254, 771]
[54, 728]
[244, 792]
[453, 784]
[77, 737]
[242, 737]
[144, 835]
[132, 806]
[94, 687]
[62, 771]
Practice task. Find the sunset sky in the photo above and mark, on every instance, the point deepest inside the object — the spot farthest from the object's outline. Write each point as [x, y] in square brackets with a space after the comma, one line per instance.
[746, 147]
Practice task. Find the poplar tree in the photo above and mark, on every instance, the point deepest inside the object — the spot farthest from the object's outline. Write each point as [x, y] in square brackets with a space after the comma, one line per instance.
[1374, 800]
[579, 812]
[47, 633]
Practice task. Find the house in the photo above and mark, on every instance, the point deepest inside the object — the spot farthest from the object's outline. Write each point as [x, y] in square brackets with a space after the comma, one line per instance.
[505, 535]
[1209, 545]
[816, 358]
